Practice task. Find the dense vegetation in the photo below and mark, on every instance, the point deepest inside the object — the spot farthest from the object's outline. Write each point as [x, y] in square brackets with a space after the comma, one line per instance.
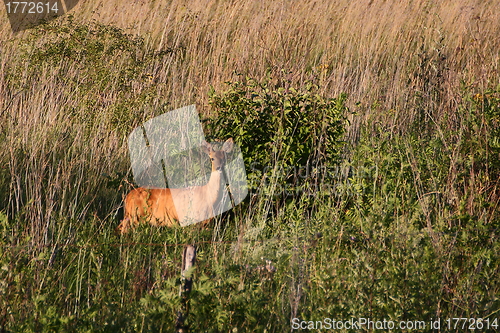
[381, 203]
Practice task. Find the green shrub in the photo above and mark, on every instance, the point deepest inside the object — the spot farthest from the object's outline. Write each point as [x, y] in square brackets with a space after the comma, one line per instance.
[288, 136]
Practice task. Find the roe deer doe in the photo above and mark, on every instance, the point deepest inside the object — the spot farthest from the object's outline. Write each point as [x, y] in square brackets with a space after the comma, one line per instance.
[167, 206]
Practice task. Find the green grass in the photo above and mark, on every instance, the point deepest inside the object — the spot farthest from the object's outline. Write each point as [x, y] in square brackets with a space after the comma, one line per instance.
[382, 204]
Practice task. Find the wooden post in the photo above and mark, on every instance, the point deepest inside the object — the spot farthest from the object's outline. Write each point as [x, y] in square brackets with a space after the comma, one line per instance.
[188, 261]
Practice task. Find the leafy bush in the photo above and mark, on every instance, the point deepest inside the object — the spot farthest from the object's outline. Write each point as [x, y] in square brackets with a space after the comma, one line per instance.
[287, 135]
[106, 73]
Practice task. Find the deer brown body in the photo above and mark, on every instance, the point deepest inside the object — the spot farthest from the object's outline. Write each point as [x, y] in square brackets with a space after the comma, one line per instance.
[167, 206]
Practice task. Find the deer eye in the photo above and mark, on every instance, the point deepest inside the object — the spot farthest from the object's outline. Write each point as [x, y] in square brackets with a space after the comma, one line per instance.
[212, 159]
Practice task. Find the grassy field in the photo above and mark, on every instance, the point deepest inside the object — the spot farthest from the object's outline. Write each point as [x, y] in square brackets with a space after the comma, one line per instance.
[371, 137]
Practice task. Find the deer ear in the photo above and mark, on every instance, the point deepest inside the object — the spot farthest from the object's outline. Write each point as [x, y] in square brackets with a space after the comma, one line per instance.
[206, 147]
[228, 145]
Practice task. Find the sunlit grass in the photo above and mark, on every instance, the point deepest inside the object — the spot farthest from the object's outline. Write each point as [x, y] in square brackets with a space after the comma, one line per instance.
[409, 232]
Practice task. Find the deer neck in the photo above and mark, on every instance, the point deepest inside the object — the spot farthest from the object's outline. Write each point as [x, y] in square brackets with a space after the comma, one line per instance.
[214, 185]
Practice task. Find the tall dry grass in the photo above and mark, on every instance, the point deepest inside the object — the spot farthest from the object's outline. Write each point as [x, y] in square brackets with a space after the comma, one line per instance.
[404, 65]
[366, 48]
[402, 61]
[385, 51]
